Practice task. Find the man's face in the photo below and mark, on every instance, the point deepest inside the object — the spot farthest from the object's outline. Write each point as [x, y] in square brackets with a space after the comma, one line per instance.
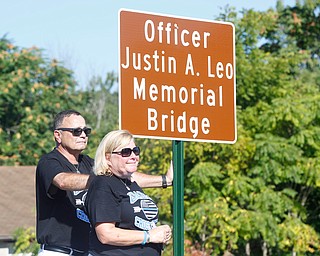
[67, 139]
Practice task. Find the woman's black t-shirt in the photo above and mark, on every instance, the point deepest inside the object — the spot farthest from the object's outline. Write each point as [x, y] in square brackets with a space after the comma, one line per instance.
[111, 199]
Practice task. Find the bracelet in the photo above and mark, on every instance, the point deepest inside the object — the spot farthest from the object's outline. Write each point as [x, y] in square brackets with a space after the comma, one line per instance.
[148, 237]
[145, 237]
[164, 181]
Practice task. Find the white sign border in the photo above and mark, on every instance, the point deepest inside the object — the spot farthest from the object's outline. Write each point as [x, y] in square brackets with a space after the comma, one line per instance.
[234, 64]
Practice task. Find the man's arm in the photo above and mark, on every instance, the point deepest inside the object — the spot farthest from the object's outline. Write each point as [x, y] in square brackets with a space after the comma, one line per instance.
[154, 181]
[72, 181]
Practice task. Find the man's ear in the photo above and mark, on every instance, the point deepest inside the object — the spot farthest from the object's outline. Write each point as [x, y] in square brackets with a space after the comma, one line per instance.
[57, 136]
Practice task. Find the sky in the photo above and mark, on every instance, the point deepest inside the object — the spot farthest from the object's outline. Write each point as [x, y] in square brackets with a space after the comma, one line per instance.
[83, 34]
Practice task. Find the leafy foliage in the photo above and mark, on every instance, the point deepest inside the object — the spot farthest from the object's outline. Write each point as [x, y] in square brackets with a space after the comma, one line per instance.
[32, 90]
[25, 241]
[256, 195]
[259, 196]
[100, 108]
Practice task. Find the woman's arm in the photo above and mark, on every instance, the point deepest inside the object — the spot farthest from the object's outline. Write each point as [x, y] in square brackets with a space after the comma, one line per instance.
[108, 233]
[154, 181]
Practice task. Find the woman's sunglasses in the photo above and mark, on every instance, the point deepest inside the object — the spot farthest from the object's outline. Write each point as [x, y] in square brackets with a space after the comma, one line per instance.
[125, 152]
[77, 131]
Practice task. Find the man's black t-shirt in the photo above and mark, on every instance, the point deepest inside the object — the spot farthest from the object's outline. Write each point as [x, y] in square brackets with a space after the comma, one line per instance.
[61, 220]
[111, 199]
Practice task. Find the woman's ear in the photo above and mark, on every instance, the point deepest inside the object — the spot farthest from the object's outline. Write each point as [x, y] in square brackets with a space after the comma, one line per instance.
[108, 159]
[108, 156]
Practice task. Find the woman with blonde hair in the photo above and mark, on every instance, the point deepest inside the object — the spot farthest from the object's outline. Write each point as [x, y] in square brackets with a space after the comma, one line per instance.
[122, 217]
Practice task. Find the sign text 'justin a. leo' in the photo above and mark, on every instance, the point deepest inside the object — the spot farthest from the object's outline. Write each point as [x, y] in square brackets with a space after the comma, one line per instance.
[159, 62]
[190, 60]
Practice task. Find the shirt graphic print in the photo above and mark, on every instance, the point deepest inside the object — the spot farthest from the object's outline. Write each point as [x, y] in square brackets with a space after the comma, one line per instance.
[143, 204]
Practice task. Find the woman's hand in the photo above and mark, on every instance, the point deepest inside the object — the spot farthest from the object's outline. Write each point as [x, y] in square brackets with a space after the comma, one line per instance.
[169, 174]
[160, 234]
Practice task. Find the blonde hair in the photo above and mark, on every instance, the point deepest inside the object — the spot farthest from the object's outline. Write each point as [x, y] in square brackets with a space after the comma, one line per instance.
[108, 144]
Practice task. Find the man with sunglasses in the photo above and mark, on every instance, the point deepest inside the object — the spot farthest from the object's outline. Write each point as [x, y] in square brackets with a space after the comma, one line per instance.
[62, 179]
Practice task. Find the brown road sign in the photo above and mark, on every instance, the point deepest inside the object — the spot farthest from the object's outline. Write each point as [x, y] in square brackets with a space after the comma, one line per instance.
[177, 77]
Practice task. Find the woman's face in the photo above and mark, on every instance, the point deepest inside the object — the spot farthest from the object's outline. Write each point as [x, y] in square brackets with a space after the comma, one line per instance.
[123, 167]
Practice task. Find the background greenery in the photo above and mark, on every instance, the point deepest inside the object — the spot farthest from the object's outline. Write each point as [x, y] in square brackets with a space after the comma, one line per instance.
[259, 196]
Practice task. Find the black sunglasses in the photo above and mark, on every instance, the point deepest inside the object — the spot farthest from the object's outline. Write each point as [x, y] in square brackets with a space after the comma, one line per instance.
[77, 131]
[125, 152]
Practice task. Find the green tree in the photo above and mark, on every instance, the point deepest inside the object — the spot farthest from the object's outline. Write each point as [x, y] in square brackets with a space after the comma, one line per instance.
[257, 196]
[25, 241]
[32, 90]
[101, 108]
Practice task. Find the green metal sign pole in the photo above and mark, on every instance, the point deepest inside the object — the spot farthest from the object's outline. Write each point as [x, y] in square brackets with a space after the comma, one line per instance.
[178, 198]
